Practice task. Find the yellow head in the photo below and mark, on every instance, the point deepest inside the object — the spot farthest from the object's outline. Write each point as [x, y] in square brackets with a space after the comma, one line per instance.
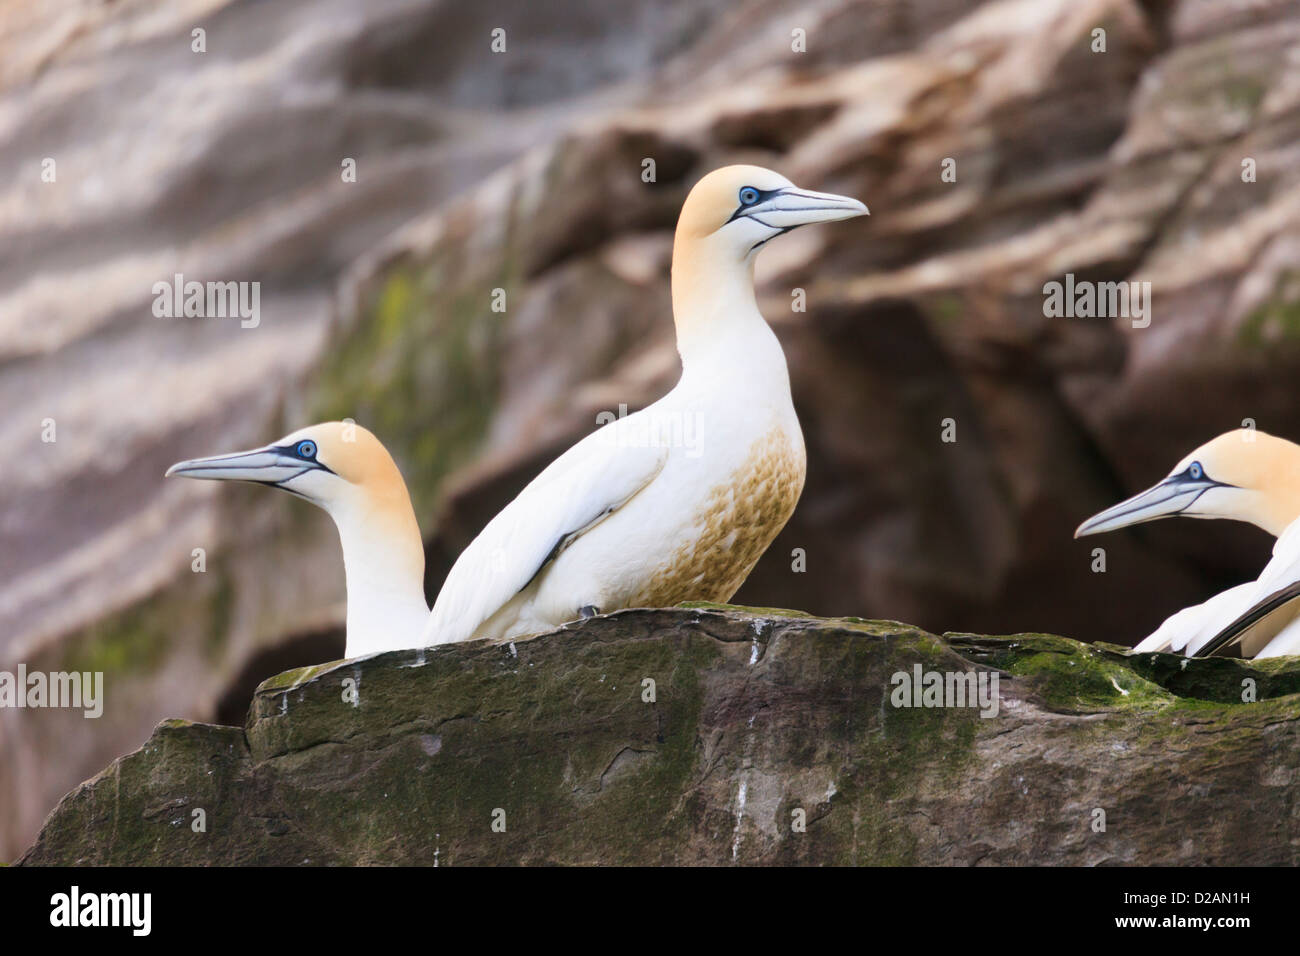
[739, 208]
[1243, 474]
[323, 463]
[345, 470]
[727, 218]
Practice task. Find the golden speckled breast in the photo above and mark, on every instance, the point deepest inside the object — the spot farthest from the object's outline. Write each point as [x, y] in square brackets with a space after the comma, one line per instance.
[738, 522]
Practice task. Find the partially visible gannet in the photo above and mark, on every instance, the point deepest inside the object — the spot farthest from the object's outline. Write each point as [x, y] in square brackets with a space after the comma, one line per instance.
[1249, 476]
[675, 502]
[345, 470]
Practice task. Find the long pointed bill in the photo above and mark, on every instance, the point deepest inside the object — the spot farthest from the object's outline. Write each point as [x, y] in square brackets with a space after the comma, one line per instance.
[267, 464]
[1172, 496]
[799, 207]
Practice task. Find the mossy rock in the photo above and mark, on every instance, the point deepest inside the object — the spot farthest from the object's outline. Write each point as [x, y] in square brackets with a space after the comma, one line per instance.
[711, 734]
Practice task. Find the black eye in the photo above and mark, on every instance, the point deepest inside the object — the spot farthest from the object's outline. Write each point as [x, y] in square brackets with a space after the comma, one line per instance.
[1195, 470]
[748, 196]
[306, 449]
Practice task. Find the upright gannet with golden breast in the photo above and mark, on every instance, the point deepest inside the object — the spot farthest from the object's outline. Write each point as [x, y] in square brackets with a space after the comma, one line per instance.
[1249, 476]
[675, 502]
[626, 518]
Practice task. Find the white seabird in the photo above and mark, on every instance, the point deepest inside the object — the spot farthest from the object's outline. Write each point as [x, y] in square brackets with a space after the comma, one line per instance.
[1245, 475]
[675, 502]
[344, 469]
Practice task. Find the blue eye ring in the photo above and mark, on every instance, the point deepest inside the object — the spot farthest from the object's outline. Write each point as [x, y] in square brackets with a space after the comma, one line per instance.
[305, 449]
[1196, 471]
[748, 195]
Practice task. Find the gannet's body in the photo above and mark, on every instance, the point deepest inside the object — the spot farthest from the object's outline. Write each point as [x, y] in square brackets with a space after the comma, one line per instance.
[625, 518]
[1249, 476]
[663, 523]
[675, 502]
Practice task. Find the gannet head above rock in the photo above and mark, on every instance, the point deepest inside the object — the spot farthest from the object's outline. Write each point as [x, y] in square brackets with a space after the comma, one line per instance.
[737, 209]
[344, 469]
[730, 215]
[1248, 476]
[1244, 474]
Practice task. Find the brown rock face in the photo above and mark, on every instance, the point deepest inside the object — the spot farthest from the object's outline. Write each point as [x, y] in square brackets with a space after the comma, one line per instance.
[717, 736]
[1169, 158]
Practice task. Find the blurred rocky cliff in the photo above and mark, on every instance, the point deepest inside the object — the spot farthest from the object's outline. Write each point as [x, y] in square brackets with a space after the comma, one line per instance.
[522, 171]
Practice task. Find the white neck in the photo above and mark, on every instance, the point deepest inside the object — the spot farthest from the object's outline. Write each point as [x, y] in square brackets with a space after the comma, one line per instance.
[383, 558]
[713, 296]
[720, 331]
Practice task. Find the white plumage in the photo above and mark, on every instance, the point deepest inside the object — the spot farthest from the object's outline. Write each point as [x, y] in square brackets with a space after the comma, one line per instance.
[679, 500]
[1191, 629]
[576, 492]
[1245, 475]
[673, 503]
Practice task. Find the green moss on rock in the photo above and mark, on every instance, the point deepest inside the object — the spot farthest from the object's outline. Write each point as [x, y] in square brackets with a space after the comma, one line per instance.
[418, 369]
[714, 734]
[1277, 319]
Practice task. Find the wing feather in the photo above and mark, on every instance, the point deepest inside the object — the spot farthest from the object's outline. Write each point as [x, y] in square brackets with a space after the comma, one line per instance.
[1258, 626]
[573, 494]
[1186, 629]
[1252, 615]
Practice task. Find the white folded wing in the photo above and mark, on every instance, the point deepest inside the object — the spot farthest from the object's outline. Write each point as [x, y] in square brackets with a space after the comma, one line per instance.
[577, 491]
[1262, 616]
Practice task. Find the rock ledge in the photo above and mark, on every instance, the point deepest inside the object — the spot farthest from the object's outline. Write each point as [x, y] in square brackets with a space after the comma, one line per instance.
[760, 719]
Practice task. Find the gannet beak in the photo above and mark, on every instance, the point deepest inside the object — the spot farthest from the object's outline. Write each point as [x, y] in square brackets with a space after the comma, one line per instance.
[1172, 496]
[790, 207]
[268, 465]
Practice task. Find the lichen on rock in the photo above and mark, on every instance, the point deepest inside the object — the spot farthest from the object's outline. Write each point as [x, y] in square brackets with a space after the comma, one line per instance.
[712, 734]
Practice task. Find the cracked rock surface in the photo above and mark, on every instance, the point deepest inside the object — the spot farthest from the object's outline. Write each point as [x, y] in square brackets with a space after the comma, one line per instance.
[765, 737]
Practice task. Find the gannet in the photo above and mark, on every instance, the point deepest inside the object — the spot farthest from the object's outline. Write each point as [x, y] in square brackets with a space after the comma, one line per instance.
[675, 502]
[1245, 475]
[626, 518]
[345, 470]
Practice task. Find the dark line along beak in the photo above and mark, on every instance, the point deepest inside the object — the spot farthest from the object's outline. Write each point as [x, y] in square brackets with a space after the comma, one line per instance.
[789, 207]
[270, 465]
[1172, 496]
